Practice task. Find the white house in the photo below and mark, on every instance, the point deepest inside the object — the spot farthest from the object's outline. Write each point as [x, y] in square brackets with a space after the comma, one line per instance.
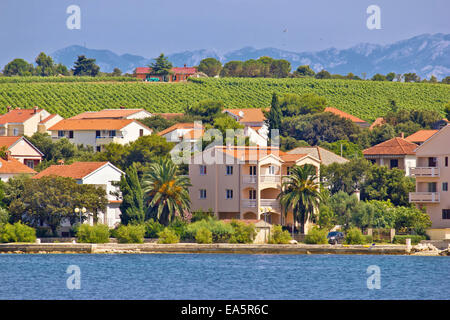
[99, 132]
[102, 174]
[10, 167]
[253, 120]
[22, 149]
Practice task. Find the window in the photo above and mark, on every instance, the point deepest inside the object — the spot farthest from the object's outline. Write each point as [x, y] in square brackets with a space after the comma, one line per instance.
[253, 170]
[15, 132]
[98, 148]
[97, 134]
[271, 170]
[432, 187]
[445, 213]
[70, 134]
[202, 194]
[229, 194]
[60, 134]
[141, 132]
[288, 171]
[112, 133]
[394, 163]
[446, 161]
[374, 161]
[432, 162]
[30, 163]
[252, 194]
[202, 170]
[229, 170]
[444, 186]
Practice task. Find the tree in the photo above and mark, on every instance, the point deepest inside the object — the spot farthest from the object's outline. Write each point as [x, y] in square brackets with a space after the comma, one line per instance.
[252, 68]
[85, 67]
[132, 206]
[45, 65]
[433, 79]
[61, 69]
[323, 74]
[343, 205]
[157, 122]
[304, 71]
[18, 67]
[162, 66]
[447, 111]
[446, 80]
[348, 149]
[232, 69]
[116, 72]
[411, 77]
[274, 115]
[145, 150]
[390, 76]
[51, 199]
[166, 193]
[292, 104]
[280, 68]
[210, 66]
[379, 77]
[207, 110]
[300, 193]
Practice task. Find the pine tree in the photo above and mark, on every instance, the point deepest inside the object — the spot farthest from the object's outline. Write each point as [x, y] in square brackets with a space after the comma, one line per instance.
[132, 206]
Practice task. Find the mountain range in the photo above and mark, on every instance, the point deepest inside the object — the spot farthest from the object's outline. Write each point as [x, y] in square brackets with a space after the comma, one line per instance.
[426, 55]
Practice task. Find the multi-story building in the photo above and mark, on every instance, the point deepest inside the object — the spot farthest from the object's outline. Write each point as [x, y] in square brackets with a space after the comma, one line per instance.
[22, 149]
[243, 182]
[99, 132]
[19, 122]
[253, 120]
[122, 113]
[432, 175]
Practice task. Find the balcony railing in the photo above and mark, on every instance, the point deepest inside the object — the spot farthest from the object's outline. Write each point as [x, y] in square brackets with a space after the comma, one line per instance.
[425, 172]
[249, 179]
[424, 197]
[274, 203]
[108, 139]
[249, 203]
[270, 178]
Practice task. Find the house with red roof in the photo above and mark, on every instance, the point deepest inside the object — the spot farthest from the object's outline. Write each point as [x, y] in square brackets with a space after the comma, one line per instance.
[177, 74]
[122, 113]
[19, 122]
[342, 114]
[394, 153]
[102, 174]
[23, 150]
[420, 136]
[99, 132]
[11, 167]
[253, 120]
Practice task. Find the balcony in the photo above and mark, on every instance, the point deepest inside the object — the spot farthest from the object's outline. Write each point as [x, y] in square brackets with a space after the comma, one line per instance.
[273, 203]
[249, 203]
[431, 172]
[424, 197]
[269, 179]
[249, 179]
[105, 140]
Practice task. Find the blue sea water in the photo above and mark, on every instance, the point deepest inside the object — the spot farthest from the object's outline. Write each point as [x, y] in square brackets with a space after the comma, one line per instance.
[223, 276]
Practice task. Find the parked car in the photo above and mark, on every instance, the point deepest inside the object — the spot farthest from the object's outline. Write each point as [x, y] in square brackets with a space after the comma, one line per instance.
[335, 237]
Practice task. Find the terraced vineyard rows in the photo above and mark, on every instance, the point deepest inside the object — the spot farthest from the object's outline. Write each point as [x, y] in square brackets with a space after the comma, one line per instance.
[364, 99]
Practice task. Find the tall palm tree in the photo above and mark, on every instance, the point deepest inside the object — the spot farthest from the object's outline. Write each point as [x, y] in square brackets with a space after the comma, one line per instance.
[300, 193]
[165, 191]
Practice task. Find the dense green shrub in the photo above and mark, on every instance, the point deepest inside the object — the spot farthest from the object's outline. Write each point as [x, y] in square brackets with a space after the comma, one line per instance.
[221, 232]
[17, 232]
[152, 228]
[179, 227]
[316, 236]
[415, 239]
[354, 236]
[130, 234]
[4, 215]
[203, 235]
[93, 234]
[168, 236]
[368, 239]
[279, 236]
[202, 215]
[243, 233]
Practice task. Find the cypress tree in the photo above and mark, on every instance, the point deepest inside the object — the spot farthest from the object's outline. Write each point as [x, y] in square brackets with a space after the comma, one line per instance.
[132, 206]
[274, 115]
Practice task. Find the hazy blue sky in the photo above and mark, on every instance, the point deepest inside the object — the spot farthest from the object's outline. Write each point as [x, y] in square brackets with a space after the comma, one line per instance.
[148, 27]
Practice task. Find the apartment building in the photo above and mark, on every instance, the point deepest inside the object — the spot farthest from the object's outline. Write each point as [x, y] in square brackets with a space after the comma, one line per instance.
[243, 182]
[19, 122]
[253, 120]
[99, 132]
[432, 175]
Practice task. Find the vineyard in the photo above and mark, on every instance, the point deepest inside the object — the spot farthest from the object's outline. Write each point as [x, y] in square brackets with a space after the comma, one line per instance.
[364, 99]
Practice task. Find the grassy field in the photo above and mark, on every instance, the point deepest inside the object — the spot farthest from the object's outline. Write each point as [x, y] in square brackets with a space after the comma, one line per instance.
[364, 99]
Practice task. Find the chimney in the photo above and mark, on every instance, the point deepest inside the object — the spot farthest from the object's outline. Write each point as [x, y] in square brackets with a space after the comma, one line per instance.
[122, 107]
[8, 155]
[35, 109]
[402, 135]
[8, 108]
[61, 162]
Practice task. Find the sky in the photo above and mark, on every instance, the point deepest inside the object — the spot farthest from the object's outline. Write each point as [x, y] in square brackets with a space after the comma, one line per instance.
[149, 27]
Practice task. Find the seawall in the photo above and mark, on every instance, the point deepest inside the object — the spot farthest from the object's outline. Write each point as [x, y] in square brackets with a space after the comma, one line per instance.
[150, 248]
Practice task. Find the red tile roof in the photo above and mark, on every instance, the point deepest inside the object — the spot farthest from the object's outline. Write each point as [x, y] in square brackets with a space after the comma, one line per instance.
[421, 136]
[143, 70]
[48, 118]
[176, 126]
[8, 141]
[13, 166]
[343, 114]
[395, 146]
[249, 153]
[91, 124]
[248, 114]
[292, 157]
[76, 170]
[107, 113]
[18, 115]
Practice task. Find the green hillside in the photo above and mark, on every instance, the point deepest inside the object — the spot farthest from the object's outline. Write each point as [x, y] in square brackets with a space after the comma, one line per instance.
[364, 99]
